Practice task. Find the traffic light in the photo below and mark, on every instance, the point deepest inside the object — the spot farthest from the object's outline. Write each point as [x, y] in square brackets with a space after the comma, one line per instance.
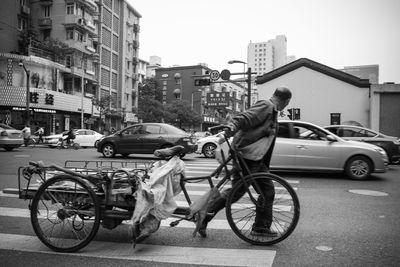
[290, 115]
[296, 113]
[201, 82]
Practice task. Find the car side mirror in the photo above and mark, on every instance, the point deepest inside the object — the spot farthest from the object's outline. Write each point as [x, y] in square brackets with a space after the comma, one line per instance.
[331, 138]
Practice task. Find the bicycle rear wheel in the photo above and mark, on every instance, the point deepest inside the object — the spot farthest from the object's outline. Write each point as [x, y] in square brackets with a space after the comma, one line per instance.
[65, 213]
[285, 210]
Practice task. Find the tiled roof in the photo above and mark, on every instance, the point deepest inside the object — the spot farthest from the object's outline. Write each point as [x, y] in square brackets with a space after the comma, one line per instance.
[305, 62]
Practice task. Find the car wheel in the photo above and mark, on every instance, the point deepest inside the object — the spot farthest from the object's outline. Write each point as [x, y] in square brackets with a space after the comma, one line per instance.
[209, 150]
[108, 151]
[96, 143]
[8, 148]
[358, 168]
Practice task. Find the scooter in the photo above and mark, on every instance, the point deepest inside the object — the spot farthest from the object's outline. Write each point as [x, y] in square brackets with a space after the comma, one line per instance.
[62, 144]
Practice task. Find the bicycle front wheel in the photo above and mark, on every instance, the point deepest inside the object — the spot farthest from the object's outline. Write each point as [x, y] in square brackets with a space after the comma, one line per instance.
[283, 214]
[65, 213]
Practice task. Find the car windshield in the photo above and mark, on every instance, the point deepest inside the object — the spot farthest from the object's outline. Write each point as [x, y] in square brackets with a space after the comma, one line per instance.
[5, 126]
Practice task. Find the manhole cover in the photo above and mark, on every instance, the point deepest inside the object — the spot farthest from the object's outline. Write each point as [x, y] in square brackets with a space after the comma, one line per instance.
[368, 192]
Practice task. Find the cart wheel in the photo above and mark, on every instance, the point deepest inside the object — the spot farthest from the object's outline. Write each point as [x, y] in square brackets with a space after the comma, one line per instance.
[285, 208]
[65, 213]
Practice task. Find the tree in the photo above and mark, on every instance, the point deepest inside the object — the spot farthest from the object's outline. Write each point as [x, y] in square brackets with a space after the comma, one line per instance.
[150, 108]
[104, 106]
[180, 113]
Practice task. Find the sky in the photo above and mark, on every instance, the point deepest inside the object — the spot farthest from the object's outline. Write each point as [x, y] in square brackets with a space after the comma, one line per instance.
[336, 33]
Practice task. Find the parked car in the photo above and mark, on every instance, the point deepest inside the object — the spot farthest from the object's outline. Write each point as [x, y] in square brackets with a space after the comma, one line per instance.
[303, 146]
[390, 144]
[10, 138]
[145, 138]
[84, 137]
[208, 144]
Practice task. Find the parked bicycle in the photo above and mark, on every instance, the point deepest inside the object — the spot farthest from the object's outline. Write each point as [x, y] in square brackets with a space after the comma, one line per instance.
[71, 202]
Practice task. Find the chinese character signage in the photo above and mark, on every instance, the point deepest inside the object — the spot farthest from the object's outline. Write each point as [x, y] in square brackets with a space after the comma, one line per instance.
[218, 99]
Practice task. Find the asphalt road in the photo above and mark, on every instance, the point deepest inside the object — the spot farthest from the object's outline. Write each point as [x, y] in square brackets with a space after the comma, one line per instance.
[337, 227]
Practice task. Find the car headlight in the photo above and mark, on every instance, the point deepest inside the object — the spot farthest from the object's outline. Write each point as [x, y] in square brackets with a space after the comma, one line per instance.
[381, 151]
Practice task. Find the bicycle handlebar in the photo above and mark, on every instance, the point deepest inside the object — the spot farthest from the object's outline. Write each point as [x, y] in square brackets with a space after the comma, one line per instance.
[218, 127]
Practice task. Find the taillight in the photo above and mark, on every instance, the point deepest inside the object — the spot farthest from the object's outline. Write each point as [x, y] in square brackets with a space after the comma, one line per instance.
[3, 133]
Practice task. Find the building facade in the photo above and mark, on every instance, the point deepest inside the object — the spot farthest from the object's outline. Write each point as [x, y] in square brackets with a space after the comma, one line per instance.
[179, 83]
[264, 57]
[322, 94]
[75, 50]
[370, 72]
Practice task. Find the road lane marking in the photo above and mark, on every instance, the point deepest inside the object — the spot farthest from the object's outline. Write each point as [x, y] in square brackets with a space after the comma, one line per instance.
[144, 252]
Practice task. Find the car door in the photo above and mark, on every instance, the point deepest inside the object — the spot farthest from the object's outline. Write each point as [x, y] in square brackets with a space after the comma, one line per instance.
[90, 138]
[313, 150]
[129, 140]
[153, 138]
[283, 156]
[80, 137]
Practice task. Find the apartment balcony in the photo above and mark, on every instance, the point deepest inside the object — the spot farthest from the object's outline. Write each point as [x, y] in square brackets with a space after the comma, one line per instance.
[45, 23]
[82, 23]
[135, 44]
[90, 5]
[25, 10]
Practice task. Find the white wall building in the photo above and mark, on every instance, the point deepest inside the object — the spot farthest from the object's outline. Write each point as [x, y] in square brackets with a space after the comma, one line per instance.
[322, 93]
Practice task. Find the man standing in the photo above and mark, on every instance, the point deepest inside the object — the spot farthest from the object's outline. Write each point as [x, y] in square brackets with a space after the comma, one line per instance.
[254, 132]
[40, 133]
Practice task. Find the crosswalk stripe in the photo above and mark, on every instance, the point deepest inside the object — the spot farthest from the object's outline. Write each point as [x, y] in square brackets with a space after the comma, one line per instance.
[154, 253]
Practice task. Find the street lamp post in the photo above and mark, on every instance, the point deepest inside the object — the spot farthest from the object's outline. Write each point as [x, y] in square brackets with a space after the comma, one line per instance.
[248, 79]
[28, 74]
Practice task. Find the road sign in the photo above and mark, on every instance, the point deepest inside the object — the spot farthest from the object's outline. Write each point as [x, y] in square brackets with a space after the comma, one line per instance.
[218, 99]
[214, 75]
[225, 74]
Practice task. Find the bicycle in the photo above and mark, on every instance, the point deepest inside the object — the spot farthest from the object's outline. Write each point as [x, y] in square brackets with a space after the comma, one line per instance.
[71, 202]
[32, 142]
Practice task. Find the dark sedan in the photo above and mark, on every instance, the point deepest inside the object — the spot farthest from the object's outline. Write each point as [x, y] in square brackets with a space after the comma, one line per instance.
[390, 144]
[145, 138]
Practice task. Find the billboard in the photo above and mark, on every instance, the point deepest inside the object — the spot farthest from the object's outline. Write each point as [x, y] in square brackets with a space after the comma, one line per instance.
[218, 99]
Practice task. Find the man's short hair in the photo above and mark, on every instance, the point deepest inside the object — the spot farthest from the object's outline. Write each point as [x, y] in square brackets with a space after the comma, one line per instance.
[283, 93]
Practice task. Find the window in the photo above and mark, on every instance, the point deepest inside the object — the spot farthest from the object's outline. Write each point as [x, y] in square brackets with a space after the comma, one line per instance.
[70, 35]
[283, 130]
[68, 61]
[153, 129]
[46, 11]
[21, 24]
[80, 37]
[70, 9]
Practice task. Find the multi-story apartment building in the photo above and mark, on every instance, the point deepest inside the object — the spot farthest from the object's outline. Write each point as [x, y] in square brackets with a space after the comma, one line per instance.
[96, 54]
[119, 53]
[264, 57]
[179, 83]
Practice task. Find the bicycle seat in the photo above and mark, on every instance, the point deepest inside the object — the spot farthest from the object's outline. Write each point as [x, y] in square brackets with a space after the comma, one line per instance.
[168, 152]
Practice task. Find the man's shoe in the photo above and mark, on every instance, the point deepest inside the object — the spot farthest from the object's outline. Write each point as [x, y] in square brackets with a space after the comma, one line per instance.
[258, 231]
[203, 229]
